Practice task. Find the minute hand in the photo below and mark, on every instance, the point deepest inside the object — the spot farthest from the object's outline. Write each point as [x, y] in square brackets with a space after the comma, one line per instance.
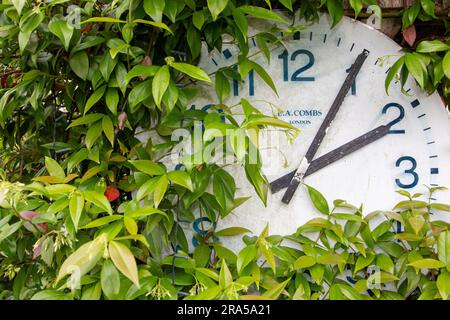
[304, 164]
[333, 156]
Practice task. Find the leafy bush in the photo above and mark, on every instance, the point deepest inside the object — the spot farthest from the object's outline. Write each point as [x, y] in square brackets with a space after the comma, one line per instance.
[88, 212]
[398, 254]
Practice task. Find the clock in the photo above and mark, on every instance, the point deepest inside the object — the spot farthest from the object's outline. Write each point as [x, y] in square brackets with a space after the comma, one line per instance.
[356, 142]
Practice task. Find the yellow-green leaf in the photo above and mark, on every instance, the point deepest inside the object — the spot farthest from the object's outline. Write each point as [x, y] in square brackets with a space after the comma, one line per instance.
[76, 205]
[124, 261]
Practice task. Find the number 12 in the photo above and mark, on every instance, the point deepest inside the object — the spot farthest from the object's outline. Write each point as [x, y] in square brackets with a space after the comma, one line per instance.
[296, 75]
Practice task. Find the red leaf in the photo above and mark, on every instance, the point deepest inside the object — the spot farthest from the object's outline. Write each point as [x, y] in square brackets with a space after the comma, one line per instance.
[37, 251]
[42, 227]
[122, 120]
[28, 215]
[147, 61]
[111, 193]
[409, 34]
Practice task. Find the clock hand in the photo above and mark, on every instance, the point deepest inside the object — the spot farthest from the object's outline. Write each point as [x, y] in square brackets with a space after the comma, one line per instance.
[333, 156]
[304, 164]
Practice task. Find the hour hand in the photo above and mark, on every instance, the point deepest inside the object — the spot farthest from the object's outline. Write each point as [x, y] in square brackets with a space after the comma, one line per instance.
[332, 156]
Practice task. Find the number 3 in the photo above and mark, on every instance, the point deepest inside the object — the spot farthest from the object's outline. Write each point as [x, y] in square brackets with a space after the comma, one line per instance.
[410, 171]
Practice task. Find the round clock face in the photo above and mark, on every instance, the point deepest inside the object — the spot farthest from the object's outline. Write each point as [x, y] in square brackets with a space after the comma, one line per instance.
[308, 73]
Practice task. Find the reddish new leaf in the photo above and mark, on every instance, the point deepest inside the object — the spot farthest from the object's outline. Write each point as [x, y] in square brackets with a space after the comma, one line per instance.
[409, 34]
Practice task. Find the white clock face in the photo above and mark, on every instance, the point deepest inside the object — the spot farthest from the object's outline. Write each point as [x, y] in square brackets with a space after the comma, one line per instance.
[308, 74]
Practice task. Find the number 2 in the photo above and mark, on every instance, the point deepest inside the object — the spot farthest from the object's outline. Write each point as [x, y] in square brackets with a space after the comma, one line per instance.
[396, 120]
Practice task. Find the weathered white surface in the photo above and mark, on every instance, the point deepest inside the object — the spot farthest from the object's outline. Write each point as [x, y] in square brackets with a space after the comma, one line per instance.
[367, 176]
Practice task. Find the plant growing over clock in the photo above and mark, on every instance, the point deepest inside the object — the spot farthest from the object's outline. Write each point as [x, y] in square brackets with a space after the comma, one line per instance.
[360, 139]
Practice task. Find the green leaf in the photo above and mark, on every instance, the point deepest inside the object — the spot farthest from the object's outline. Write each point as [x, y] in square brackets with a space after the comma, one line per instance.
[194, 41]
[287, 4]
[112, 100]
[357, 5]
[202, 255]
[224, 189]
[103, 19]
[232, 231]
[262, 13]
[130, 225]
[93, 133]
[444, 247]
[258, 181]
[51, 294]
[88, 42]
[411, 204]
[94, 98]
[192, 71]
[54, 169]
[79, 62]
[155, 9]
[62, 30]
[428, 7]
[362, 262]
[330, 258]
[110, 279]
[148, 167]
[141, 71]
[393, 249]
[102, 221]
[245, 257]
[216, 7]
[432, 46]
[87, 119]
[181, 178]
[159, 84]
[385, 263]
[154, 24]
[275, 291]
[98, 200]
[264, 75]
[336, 11]
[416, 69]
[241, 22]
[18, 5]
[348, 216]
[318, 200]
[225, 277]
[76, 205]
[108, 129]
[139, 93]
[304, 262]
[107, 65]
[57, 206]
[27, 28]
[443, 284]
[446, 64]
[171, 96]
[160, 190]
[392, 73]
[144, 212]
[83, 259]
[440, 207]
[124, 261]
[198, 19]
[427, 263]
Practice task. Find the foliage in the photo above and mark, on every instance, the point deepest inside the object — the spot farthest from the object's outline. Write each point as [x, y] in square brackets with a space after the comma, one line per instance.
[397, 254]
[428, 62]
[88, 211]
